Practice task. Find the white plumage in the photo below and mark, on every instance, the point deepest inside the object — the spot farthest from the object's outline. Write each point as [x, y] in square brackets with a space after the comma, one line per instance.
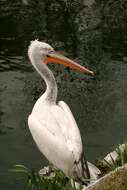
[52, 124]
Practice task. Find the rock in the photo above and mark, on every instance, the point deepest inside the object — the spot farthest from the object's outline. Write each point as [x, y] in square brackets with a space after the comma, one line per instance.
[94, 172]
[114, 155]
[47, 171]
[115, 180]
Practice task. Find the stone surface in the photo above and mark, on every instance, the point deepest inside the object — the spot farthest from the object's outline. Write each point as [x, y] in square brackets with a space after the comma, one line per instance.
[115, 180]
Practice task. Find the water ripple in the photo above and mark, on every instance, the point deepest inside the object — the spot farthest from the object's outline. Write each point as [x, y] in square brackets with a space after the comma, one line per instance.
[12, 63]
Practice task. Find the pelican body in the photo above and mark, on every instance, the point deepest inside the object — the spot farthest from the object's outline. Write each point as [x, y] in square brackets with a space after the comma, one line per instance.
[51, 123]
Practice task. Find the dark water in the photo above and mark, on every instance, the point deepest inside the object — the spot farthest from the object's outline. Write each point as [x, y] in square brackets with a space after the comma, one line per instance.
[98, 103]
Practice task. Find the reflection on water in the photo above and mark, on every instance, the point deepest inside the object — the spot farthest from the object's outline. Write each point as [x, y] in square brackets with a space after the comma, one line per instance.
[98, 103]
[13, 63]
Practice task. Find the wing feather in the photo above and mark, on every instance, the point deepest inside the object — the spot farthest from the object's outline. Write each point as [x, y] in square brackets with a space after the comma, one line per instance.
[70, 130]
[54, 148]
[56, 134]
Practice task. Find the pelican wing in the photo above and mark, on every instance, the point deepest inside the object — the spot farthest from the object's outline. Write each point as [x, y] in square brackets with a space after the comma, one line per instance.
[54, 147]
[71, 130]
[56, 134]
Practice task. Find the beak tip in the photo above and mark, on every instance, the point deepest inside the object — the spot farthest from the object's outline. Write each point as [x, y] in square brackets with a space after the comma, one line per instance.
[92, 73]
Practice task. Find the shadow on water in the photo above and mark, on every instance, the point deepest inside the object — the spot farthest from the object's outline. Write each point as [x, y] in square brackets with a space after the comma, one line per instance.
[87, 31]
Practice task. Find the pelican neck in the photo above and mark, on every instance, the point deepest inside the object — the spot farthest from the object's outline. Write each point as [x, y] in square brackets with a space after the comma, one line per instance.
[47, 75]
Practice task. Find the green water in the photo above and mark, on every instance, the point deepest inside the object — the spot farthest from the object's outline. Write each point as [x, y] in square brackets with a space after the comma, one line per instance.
[98, 103]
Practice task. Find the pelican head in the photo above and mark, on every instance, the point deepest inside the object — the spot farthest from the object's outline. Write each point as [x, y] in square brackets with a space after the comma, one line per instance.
[39, 49]
[43, 52]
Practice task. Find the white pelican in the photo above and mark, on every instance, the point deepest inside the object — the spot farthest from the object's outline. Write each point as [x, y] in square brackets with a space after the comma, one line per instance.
[51, 123]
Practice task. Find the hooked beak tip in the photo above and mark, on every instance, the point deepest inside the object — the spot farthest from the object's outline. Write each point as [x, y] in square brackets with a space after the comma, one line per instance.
[92, 73]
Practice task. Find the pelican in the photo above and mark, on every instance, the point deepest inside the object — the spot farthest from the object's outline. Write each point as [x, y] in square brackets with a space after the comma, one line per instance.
[51, 123]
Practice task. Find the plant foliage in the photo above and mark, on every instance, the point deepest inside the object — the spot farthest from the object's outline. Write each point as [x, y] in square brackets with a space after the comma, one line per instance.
[57, 181]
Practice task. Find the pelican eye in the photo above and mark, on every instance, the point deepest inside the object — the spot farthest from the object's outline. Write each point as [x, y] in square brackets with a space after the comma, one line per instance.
[50, 52]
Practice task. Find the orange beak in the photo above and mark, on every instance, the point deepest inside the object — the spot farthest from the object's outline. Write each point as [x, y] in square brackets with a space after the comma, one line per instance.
[60, 59]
